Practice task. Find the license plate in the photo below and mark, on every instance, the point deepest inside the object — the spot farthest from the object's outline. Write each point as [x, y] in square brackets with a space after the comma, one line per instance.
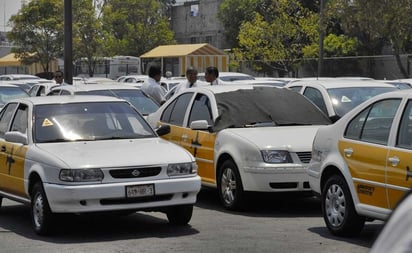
[135, 191]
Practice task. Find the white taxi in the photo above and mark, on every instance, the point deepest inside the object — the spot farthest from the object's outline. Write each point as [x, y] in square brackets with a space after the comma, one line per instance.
[362, 165]
[78, 154]
[245, 138]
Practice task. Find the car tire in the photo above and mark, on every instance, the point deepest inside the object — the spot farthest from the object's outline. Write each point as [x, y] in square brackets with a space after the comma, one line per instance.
[180, 215]
[338, 208]
[230, 186]
[41, 215]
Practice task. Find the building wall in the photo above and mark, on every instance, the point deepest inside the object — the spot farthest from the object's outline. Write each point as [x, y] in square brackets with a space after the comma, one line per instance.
[197, 22]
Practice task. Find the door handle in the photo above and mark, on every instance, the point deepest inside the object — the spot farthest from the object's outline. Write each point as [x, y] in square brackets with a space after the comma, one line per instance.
[348, 152]
[394, 160]
[184, 137]
[3, 148]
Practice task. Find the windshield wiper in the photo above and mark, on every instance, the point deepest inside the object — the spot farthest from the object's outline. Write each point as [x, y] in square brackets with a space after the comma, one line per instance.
[261, 124]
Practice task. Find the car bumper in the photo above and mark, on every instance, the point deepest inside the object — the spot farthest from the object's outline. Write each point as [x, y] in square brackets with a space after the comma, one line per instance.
[112, 196]
[313, 173]
[275, 179]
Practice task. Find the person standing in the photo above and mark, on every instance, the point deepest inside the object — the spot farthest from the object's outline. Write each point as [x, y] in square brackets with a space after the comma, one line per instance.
[151, 86]
[191, 76]
[211, 75]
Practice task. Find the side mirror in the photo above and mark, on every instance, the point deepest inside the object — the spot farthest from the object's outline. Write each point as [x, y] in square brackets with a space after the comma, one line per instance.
[163, 130]
[16, 136]
[199, 125]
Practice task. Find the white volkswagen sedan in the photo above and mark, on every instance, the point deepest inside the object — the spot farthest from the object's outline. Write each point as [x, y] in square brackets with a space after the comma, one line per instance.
[244, 138]
[79, 154]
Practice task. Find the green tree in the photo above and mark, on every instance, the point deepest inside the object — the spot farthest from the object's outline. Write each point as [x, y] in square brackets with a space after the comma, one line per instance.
[37, 32]
[132, 27]
[376, 24]
[280, 39]
[87, 33]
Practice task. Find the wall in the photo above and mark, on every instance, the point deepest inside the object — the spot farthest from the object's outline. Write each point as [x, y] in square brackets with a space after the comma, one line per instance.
[196, 22]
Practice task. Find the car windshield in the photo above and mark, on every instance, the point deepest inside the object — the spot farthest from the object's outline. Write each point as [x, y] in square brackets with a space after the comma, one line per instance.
[266, 106]
[345, 99]
[9, 93]
[136, 97]
[235, 78]
[88, 121]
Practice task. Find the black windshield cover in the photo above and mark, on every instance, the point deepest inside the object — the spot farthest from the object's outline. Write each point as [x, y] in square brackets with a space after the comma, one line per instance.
[266, 104]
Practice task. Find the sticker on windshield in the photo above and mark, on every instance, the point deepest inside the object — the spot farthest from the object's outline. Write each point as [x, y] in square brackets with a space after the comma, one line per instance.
[345, 99]
[46, 122]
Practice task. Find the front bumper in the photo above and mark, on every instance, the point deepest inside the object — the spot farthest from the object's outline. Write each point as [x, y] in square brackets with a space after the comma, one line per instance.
[290, 178]
[112, 196]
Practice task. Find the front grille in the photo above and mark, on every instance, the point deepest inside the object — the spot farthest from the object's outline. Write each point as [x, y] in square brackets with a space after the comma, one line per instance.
[304, 156]
[135, 172]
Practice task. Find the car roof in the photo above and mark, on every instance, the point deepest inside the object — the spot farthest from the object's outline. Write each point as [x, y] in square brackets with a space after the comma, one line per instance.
[340, 83]
[21, 76]
[7, 84]
[65, 99]
[216, 89]
[91, 87]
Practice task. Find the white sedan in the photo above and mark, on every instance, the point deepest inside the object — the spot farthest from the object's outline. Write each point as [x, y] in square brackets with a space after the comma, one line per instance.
[244, 138]
[79, 154]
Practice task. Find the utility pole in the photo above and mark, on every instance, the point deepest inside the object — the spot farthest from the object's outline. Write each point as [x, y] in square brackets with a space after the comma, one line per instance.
[68, 42]
[321, 37]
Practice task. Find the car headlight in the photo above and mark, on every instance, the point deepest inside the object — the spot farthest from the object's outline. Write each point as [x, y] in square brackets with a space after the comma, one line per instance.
[178, 169]
[81, 175]
[276, 156]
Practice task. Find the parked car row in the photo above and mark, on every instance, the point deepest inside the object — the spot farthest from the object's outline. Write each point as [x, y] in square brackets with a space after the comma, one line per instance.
[345, 139]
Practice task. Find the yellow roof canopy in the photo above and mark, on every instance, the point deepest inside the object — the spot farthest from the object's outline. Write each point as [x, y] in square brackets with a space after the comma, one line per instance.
[182, 50]
[9, 60]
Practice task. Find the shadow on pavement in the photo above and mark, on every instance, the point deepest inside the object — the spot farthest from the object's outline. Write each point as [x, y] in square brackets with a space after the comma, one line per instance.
[93, 227]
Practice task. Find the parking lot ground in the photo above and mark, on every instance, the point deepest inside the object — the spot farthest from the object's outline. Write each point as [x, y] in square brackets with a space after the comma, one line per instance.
[271, 224]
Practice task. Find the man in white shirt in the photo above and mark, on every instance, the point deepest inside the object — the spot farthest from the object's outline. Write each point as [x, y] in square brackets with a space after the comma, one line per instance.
[211, 75]
[191, 76]
[151, 86]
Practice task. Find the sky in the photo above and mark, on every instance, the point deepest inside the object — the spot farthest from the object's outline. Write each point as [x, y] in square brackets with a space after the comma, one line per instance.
[8, 8]
[11, 7]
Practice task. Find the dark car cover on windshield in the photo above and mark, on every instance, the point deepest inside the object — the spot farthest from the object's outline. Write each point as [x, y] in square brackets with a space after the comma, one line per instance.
[263, 105]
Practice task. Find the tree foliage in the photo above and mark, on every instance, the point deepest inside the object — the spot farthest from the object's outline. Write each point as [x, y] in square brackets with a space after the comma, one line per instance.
[37, 32]
[132, 27]
[279, 38]
[376, 24]
[87, 33]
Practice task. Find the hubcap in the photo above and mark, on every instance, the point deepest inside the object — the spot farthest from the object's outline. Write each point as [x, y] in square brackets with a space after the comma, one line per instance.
[228, 187]
[335, 205]
[38, 211]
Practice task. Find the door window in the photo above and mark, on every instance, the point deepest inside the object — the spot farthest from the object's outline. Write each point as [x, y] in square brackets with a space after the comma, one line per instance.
[374, 123]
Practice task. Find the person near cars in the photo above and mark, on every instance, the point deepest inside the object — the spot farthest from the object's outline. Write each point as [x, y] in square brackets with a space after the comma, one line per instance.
[191, 76]
[151, 86]
[58, 77]
[211, 75]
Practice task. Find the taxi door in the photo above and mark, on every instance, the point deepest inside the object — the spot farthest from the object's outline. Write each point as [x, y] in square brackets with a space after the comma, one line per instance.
[201, 142]
[399, 168]
[365, 150]
[186, 108]
[12, 155]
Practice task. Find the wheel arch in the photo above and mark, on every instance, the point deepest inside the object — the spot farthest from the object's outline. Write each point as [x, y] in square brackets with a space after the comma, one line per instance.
[222, 158]
[327, 173]
[33, 179]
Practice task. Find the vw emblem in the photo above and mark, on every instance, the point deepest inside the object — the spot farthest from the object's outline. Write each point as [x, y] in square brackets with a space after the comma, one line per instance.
[136, 173]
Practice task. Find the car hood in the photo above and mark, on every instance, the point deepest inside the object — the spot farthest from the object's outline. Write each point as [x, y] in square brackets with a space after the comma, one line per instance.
[115, 153]
[297, 138]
